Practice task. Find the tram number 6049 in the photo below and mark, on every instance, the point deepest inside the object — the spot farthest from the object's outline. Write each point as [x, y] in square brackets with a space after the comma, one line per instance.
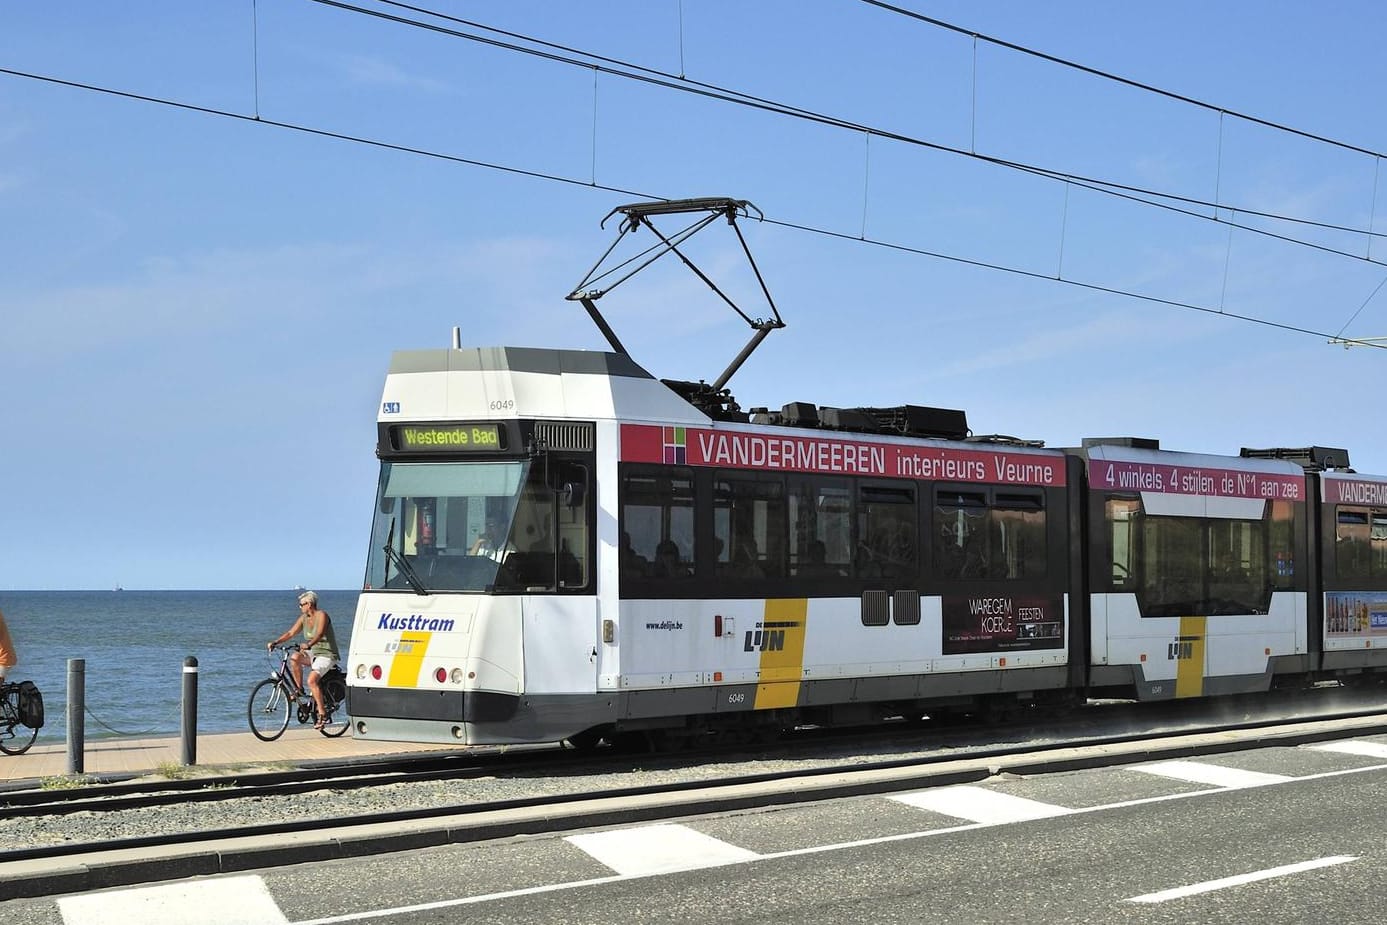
[506, 404]
[736, 698]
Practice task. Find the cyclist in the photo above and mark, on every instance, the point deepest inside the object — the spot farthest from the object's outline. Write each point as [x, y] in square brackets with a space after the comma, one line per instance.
[319, 640]
[8, 657]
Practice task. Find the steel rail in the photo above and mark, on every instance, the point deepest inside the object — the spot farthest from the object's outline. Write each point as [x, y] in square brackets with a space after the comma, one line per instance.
[1022, 758]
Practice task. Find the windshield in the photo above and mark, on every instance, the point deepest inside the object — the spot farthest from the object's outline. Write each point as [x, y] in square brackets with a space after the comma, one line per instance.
[471, 526]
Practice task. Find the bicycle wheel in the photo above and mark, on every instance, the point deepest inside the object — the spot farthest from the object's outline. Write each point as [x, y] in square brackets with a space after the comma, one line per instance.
[268, 710]
[335, 699]
[15, 737]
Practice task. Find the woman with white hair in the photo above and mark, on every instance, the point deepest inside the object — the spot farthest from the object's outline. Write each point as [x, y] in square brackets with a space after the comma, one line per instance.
[319, 642]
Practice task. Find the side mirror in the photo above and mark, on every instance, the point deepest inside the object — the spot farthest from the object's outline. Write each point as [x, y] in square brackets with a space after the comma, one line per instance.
[573, 494]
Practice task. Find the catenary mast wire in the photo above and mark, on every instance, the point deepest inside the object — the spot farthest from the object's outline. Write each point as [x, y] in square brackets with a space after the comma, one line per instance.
[796, 226]
[324, 133]
[905, 248]
[563, 54]
[1126, 81]
[1105, 187]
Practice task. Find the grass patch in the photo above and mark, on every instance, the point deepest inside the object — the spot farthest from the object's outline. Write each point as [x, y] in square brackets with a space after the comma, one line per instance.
[63, 782]
[173, 770]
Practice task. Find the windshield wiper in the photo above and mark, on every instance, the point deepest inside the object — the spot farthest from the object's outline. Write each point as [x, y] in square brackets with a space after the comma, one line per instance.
[401, 563]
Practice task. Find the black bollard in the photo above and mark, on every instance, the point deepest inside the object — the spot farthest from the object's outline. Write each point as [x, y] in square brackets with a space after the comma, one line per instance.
[76, 714]
[190, 711]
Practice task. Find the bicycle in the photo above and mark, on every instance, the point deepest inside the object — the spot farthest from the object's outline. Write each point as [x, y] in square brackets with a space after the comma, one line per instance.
[274, 700]
[21, 716]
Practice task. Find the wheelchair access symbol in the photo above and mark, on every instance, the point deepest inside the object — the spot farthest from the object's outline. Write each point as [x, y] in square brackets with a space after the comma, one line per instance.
[390, 407]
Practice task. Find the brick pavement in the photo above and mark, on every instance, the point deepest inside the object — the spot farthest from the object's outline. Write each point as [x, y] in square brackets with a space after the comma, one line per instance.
[217, 754]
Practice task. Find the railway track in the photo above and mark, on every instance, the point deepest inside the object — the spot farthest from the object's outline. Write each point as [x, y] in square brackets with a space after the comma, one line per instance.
[247, 829]
[803, 780]
[940, 742]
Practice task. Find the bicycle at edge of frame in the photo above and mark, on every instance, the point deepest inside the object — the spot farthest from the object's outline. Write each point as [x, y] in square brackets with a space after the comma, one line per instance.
[21, 716]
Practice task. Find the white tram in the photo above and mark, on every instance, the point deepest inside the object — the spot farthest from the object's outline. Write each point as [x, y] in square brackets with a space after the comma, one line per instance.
[566, 548]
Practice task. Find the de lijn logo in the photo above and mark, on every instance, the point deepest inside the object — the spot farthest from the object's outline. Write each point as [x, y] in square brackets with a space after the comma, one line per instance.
[768, 636]
[1182, 648]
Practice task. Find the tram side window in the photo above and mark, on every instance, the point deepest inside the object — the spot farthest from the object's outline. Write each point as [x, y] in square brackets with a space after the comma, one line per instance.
[820, 528]
[1377, 539]
[1237, 567]
[1281, 537]
[886, 533]
[1356, 545]
[1018, 521]
[573, 525]
[1173, 566]
[1122, 516]
[990, 534]
[1194, 566]
[960, 549]
[657, 519]
[749, 526]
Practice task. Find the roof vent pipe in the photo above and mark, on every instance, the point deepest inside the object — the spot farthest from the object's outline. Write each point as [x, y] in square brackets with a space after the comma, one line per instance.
[457, 337]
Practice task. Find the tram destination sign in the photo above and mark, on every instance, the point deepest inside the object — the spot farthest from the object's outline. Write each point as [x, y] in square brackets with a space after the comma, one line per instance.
[447, 438]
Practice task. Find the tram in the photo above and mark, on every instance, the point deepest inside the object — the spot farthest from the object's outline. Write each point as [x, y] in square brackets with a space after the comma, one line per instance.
[566, 548]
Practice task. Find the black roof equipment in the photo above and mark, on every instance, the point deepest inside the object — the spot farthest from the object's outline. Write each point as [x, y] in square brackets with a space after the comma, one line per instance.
[1312, 458]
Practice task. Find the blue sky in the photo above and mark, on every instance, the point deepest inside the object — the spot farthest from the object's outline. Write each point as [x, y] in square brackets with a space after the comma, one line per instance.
[198, 310]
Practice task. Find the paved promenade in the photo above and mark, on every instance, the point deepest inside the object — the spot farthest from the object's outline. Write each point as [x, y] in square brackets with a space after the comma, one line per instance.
[217, 754]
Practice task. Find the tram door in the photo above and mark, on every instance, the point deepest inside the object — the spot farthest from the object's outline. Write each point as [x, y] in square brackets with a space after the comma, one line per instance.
[554, 563]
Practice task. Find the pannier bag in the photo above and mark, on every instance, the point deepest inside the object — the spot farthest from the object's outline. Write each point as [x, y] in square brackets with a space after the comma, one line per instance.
[30, 705]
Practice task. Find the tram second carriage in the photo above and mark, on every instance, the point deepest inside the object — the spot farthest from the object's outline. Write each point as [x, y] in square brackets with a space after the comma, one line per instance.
[1197, 570]
[564, 547]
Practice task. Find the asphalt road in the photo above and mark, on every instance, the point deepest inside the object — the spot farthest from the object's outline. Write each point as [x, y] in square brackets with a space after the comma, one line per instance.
[1278, 834]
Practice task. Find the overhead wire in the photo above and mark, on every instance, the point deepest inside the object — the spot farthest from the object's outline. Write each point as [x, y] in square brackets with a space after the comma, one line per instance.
[729, 96]
[1147, 197]
[565, 54]
[1117, 78]
[321, 132]
[795, 226]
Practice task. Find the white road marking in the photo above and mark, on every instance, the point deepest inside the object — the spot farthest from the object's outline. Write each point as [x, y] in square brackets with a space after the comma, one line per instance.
[979, 804]
[223, 901]
[659, 849]
[484, 898]
[1200, 773]
[1210, 885]
[1354, 747]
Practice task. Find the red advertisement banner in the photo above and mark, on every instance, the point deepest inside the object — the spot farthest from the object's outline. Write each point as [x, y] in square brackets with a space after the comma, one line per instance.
[694, 446]
[1195, 480]
[1355, 491]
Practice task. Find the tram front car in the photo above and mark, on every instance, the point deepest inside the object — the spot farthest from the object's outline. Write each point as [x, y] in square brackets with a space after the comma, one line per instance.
[479, 619]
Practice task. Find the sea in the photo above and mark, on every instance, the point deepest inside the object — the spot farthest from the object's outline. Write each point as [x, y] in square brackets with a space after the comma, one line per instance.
[134, 644]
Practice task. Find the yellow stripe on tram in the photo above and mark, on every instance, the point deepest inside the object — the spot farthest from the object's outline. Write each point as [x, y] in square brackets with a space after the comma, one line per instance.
[1189, 665]
[409, 660]
[782, 653]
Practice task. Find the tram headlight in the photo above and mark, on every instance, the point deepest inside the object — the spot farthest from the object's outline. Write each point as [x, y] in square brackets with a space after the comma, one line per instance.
[457, 676]
[361, 672]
